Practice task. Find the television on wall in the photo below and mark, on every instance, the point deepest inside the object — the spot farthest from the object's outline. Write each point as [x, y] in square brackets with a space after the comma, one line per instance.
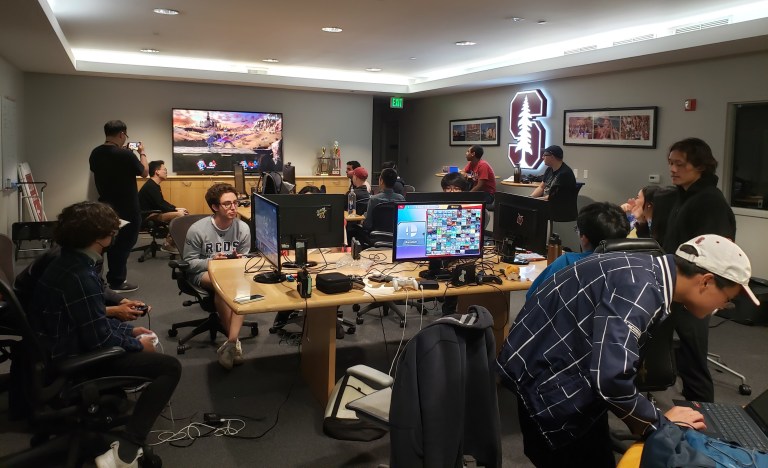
[214, 141]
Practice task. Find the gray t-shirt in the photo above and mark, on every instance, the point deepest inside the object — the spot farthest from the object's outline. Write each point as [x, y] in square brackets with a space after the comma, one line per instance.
[204, 240]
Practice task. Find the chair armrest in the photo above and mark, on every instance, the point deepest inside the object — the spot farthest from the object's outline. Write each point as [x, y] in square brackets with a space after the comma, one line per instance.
[373, 407]
[85, 361]
[382, 234]
[372, 377]
[179, 264]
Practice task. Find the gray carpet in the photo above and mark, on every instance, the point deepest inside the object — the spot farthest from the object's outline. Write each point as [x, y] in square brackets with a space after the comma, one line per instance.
[268, 390]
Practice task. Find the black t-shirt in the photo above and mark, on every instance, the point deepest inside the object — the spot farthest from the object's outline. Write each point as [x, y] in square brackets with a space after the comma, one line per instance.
[114, 171]
[561, 179]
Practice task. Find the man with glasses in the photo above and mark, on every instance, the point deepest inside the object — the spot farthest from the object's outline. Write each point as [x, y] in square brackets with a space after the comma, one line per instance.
[220, 236]
[115, 169]
[151, 199]
[558, 176]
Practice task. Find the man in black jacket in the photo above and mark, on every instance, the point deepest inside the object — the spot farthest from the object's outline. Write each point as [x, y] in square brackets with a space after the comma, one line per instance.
[151, 199]
[700, 208]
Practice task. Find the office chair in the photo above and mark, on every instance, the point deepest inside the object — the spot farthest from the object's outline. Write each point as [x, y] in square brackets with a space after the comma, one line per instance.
[438, 414]
[383, 216]
[409, 188]
[562, 205]
[68, 413]
[6, 258]
[156, 230]
[210, 324]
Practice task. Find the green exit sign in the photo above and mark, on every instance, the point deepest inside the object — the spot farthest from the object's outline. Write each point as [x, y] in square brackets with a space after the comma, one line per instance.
[396, 103]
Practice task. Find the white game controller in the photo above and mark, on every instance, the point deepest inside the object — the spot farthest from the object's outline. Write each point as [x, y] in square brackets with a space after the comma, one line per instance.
[152, 335]
[402, 283]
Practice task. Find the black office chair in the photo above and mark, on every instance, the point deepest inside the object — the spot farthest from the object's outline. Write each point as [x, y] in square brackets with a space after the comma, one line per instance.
[179, 268]
[381, 235]
[156, 230]
[562, 205]
[68, 413]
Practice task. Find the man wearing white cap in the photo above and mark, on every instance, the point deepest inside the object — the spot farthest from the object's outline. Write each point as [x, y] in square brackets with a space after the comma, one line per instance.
[573, 351]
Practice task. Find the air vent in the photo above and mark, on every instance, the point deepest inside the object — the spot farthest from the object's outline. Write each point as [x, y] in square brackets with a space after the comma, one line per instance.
[700, 26]
[580, 50]
[634, 39]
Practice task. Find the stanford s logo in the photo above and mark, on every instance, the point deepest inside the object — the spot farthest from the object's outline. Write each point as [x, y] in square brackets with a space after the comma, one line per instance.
[530, 134]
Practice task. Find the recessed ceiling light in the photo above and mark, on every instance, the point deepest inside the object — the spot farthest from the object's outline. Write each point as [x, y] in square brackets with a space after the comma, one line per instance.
[270, 60]
[150, 51]
[542, 21]
[332, 29]
[411, 58]
[517, 19]
[372, 69]
[166, 11]
[466, 43]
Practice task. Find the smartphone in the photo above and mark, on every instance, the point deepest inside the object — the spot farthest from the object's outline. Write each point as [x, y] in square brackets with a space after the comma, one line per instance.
[133, 145]
[247, 299]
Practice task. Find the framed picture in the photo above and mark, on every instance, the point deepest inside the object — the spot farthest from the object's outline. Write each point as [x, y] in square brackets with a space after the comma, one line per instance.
[482, 131]
[631, 127]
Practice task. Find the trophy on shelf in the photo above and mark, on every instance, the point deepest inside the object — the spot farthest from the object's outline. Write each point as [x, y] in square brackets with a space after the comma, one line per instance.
[323, 163]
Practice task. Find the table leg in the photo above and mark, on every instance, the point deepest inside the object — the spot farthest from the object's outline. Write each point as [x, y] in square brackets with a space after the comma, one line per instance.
[318, 352]
[498, 305]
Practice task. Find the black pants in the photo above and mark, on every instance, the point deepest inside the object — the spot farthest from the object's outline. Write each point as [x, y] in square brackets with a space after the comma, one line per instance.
[691, 356]
[117, 255]
[591, 450]
[164, 372]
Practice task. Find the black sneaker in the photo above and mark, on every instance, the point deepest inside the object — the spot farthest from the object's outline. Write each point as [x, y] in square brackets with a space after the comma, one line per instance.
[124, 288]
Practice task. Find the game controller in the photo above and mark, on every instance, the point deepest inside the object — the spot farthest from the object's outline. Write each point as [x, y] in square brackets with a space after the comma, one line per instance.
[379, 278]
[143, 309]
[152, 335]
[484, 278]
[402, 283]
[232, 254]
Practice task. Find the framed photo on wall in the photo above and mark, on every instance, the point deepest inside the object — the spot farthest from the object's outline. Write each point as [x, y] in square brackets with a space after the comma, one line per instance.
[481, 131]
[631, 127]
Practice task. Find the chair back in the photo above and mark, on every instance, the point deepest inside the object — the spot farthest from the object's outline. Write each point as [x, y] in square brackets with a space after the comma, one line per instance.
[562, 203]
[179, 227]
[383, 217]
[409, 188]
[6, 258]
[656, 368]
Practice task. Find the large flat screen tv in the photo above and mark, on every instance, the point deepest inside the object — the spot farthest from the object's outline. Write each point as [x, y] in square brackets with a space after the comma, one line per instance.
[213, 141]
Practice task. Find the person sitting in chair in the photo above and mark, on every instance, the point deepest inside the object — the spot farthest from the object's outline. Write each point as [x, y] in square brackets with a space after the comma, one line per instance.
[68, 311]
[359, 178]
[386, 194]
[218, 237]
[151, 199]
[399, 186]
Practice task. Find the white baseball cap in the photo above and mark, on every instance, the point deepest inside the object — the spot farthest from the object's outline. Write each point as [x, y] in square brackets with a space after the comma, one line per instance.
[719, 255]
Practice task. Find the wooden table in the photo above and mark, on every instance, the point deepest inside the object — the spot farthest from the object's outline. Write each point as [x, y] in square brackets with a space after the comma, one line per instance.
[353, 217]
[244, 212]
[519, 184]
[318, 360]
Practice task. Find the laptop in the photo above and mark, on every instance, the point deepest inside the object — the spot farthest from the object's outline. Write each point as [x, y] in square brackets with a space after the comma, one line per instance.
[746, 426]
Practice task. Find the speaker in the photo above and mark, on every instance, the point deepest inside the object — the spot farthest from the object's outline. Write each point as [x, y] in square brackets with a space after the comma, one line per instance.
[464, 275]
[301, 252]
[304, 284]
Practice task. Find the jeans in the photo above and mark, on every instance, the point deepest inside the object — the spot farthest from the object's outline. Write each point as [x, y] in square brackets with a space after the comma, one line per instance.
[691, 356]
[117, 255]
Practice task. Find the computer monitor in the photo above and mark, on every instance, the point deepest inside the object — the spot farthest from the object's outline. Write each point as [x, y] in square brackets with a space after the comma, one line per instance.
[445, 197]
[438, 231]
[239, 180]
[318, 218]
[521, 220]
[265, 225]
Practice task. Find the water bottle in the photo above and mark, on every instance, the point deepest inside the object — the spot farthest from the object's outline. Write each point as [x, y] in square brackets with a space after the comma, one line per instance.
[351, 202]
[517, 173]
[554, 248]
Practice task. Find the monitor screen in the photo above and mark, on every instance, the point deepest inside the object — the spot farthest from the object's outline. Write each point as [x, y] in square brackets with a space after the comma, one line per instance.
[521, 219]
[316, 217]
[208, 141]
[434, 231]
[445, 197]
[265, 225]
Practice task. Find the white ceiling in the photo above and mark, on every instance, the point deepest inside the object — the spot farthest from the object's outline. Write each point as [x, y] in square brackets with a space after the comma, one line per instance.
[413, 42]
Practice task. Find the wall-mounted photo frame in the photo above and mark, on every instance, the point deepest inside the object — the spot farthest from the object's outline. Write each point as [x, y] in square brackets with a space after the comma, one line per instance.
[629, 127]
[481, 131]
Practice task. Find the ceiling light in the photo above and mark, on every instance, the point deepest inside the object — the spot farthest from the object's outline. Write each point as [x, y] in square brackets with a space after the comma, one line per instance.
[150, 51]
[372, 69]
[332, 29]
[516, 19]
[166, 11]
[466, 43]
[542, 21]
[411, 58]
[270, 60]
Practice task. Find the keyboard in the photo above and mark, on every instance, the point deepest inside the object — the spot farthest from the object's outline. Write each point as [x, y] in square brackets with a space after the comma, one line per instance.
[735, 425]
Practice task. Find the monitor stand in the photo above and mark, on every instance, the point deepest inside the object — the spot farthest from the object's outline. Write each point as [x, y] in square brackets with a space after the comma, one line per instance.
[309, 264]
[436, 271]
[269, 277]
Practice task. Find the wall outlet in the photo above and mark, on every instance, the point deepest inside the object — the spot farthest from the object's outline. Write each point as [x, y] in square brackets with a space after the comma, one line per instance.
[586, 174]
[654, 178]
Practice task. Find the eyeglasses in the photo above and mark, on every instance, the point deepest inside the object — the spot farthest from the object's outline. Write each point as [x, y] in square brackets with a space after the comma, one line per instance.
[227, 204]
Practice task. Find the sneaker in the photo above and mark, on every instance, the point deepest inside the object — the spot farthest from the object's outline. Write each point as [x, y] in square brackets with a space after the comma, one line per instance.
[227, 355]
[109, 459]
[124, 288]
[238, 358]
[171, 249]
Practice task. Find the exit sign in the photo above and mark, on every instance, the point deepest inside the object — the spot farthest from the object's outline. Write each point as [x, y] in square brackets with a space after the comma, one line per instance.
[396, 103]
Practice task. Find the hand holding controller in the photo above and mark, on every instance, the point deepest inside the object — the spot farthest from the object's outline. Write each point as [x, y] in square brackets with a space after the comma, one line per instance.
[151, 335]
[402, 283]
[143, 309]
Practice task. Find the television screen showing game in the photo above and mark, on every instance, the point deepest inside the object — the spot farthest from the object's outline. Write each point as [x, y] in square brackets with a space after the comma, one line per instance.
[435, 231]
[211, 141]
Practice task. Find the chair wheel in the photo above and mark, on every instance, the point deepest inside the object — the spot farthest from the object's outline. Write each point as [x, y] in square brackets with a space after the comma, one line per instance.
[351, 330]
[359, 320]
[402, 323]
[356, 307]
[745, 389]
[254, 330]
[172, 332]
[181, 349]
[141, 259]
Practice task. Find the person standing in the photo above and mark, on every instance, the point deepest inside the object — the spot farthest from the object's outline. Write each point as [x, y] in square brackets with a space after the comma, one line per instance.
[115, 169]
[700, 208]
[558, 176]
[151, 199]
[480, 173]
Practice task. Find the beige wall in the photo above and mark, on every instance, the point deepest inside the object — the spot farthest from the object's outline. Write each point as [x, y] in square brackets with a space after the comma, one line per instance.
[614, 173]
[65, 117]
[12, 87]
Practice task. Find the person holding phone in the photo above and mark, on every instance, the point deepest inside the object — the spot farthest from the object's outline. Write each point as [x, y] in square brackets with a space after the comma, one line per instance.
[115, 169]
